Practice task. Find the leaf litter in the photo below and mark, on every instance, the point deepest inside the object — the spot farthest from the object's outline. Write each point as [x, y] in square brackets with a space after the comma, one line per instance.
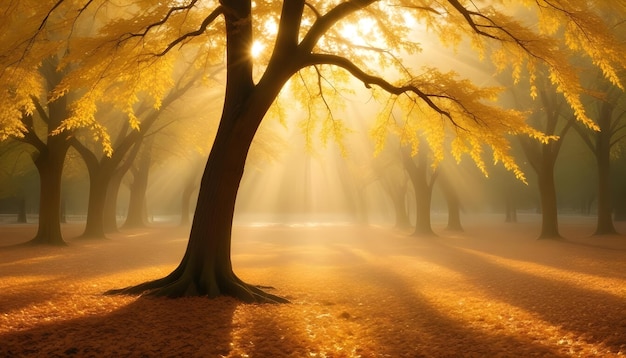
[491, 291]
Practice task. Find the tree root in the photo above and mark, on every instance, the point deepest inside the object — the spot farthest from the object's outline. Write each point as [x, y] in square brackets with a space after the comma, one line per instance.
[177, 285]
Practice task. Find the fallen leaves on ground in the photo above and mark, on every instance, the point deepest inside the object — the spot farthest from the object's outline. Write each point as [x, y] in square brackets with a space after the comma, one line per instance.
[492, 291]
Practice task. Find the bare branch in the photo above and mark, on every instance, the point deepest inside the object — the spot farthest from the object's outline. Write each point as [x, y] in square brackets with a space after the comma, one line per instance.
[369, 80]
[160, 22]
[203, 26]
[478, 28]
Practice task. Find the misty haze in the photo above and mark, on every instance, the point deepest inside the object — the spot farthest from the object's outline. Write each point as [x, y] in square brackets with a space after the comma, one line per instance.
[354, 178]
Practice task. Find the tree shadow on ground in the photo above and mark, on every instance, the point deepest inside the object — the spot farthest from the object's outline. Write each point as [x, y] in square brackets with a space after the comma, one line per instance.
[590, 314]
[362, 307]
[149, 327]
[424, 330]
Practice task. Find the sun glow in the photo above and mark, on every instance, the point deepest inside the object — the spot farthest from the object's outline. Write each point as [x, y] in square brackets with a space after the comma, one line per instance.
[257, 49]
[362, 33]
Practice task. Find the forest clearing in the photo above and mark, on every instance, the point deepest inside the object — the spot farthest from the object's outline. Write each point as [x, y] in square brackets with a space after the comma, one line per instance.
[355, 291]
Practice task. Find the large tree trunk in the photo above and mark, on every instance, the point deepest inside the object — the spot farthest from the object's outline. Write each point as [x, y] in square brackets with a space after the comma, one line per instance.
[206, 268]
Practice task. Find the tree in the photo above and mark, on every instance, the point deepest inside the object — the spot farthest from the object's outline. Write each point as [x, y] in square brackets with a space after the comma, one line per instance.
[16, 173]
[49, 154]
[106, 172]
[452, 201]
[137, 215]
[611, 120]
[322, 42]
[423, 179]
[547, 113]
[393, 180]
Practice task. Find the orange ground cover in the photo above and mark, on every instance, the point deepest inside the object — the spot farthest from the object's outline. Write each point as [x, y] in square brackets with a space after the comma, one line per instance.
[492, 291]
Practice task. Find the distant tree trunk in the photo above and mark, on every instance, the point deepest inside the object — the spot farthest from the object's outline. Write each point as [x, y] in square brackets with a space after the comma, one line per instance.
[453, 203]
[63, 211]
[549, 210]
[353, 189]
[620, 211]
[395, 186]
[191, 184]
[620, 205]
[418, 173]
[510, 210]
[137, 216]
[98, 186]
[109, 216]
[185, 211]
[21, 209]
[399, 205]
[603, 157]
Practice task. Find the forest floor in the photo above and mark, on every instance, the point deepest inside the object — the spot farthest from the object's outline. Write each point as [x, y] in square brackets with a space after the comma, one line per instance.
[491, 291]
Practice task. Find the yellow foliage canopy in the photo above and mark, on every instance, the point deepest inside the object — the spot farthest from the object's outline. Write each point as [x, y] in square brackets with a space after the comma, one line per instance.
[115, 51]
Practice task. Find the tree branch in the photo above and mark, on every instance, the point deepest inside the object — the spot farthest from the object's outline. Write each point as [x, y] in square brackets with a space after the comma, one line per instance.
[369, 80]
[203, 26]
[324, 23]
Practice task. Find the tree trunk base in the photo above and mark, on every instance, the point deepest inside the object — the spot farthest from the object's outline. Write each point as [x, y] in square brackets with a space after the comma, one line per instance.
[424, 233]
[39, 240]
[556, 236]
[183, 285]
[605, 232]
[457, 228]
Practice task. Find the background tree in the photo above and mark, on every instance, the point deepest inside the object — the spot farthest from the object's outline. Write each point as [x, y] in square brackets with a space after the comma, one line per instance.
[453, 202]
[551, 115]
[49, 151]
[392, 176]
[423, 178]
[16, 179]
[610, 111]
